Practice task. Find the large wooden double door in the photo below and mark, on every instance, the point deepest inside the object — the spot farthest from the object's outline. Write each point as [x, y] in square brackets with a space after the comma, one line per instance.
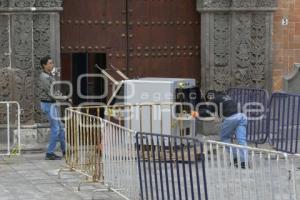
[143, 38]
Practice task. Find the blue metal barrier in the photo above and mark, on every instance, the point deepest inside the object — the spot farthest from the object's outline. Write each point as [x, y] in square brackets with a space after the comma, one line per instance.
[170, 167]
[257, 121]
[284, 121]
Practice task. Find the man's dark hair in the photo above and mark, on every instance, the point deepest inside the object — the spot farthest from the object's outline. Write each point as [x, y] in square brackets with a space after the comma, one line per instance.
[44, 60]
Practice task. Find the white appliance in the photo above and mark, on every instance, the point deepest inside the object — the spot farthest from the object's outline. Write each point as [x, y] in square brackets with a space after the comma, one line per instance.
[158, 119]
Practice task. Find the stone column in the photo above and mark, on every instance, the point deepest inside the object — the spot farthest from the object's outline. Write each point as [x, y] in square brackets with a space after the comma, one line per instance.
[29, 30]
[236, 43]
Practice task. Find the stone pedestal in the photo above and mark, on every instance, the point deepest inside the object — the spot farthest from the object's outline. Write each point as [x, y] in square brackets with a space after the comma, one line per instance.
[29, 30]
[236, 43]
[292, 81]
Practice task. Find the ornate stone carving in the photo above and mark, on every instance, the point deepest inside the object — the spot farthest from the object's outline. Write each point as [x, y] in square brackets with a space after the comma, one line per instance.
[221, 68]
[228, 4]
[8, 92]
[243, 3]
[5, 83]
[23, 3]
[215, 3]
[5, 91]
[250, 50]
[238, 38]
[32, 35]
[3, 3]
[4, 39]
[25, 95]
[48, 3]
[266, 3]
[221, 79]
[23, 61]
[242, 40]
[258, 50]
[221, 40]
[41, 33]
[23, 41]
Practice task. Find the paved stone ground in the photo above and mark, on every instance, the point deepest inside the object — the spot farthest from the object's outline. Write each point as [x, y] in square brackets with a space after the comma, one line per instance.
[30, 177]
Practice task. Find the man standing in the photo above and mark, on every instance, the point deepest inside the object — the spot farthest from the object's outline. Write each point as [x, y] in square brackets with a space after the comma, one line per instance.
[50, 109]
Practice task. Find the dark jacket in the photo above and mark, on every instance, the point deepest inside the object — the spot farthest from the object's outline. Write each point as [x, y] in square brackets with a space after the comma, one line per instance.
[226, 106]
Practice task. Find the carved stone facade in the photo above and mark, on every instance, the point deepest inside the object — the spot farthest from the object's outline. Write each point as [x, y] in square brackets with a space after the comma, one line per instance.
[4, 44]
[26, 35]
[236, 43]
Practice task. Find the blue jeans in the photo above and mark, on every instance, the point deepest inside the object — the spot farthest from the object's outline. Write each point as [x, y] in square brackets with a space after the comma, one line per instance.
[235, 124]
[56, 128]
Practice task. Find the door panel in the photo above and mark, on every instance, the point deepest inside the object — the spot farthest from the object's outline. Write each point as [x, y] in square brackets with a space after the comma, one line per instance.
[146, 38]
[165, 39]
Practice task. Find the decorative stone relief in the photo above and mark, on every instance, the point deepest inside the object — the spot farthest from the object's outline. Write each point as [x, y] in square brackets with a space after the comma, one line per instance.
[221, 40]
[3, 3]
[222, 79]
[221, 53]
[243, 3]
[215, 3]
[23, 41]
[4, 41]
[258, 51]
[266, 3]
[30, 35]
[251, 51]
[48, 3]
[41, 33]
[5, 82]
[242, 48]
[236, 48]
[23, 54]
[7, 91]
[23, 3]
[25, 95]
[203, 4]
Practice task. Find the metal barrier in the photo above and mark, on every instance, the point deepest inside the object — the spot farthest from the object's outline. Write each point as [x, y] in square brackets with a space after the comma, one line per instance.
[10, 143]
[171, 169]
[284, 121]
[101, 142]
[83, 144]
[257, 121]
[120, 160]
[263, 174]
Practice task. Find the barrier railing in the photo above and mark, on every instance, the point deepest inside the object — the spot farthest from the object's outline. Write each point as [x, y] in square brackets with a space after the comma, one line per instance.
[235, 172]
[284, 121]
[173, 168]
[83, 144]
[120, 160]
[10, 143]
[257, 121]
[101, 143]
[168, 166]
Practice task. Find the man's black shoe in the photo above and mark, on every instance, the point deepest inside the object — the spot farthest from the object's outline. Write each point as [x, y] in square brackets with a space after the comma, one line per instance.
[52, 156]
[236, 164]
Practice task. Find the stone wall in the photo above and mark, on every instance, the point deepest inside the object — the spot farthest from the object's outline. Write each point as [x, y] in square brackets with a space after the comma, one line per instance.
[236, 38]
[29, 30]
